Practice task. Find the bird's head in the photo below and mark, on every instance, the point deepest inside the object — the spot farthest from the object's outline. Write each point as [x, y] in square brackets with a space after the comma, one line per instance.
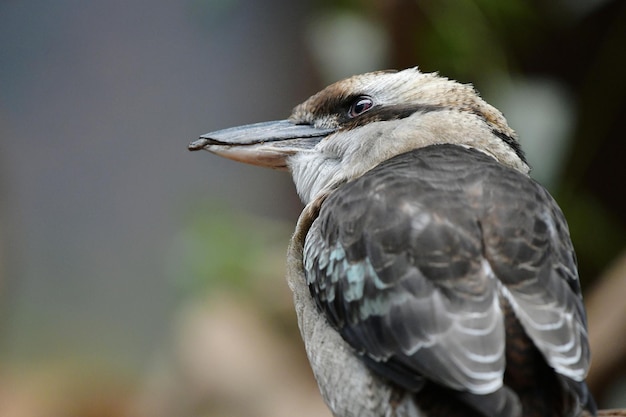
[355, 124]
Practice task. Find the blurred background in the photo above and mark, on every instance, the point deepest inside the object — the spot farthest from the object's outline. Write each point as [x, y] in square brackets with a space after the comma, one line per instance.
[137, 279]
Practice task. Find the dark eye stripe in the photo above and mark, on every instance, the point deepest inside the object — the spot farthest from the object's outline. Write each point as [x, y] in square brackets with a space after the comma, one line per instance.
[397, 112]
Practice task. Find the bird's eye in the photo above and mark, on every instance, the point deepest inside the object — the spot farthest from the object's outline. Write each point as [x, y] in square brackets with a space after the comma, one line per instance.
[360, 106]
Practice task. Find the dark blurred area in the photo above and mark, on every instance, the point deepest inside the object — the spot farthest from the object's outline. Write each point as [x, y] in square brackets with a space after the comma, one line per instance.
[137, 279]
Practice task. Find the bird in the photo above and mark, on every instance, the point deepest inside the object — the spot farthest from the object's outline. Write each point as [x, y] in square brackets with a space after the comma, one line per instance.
[432, 276]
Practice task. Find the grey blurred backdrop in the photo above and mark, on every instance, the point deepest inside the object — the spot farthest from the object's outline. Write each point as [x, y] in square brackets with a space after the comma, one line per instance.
[99, 102]
[119, 247]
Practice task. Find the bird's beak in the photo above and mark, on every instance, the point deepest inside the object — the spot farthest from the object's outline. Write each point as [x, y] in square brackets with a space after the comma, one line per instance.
[267, 144]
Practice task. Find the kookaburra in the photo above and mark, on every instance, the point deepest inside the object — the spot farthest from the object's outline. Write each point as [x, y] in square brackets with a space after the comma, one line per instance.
[431, 275]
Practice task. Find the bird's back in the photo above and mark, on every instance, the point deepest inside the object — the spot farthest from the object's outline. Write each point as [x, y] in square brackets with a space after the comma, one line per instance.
[454, 277]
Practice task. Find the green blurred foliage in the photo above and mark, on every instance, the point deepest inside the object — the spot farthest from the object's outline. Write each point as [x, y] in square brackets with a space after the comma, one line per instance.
[469, 38]
[224, 249]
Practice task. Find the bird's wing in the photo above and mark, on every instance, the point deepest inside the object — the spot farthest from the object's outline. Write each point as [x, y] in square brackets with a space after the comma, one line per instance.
[395, 262]
[408, 262]
[534, 258]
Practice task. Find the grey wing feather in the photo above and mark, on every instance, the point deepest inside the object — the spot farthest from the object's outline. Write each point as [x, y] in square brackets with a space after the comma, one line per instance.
[408, 262]
[405, 284]
[537, 264]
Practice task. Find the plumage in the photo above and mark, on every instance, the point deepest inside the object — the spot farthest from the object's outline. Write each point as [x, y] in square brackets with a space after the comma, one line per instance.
[432, 276]
[432, 269]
